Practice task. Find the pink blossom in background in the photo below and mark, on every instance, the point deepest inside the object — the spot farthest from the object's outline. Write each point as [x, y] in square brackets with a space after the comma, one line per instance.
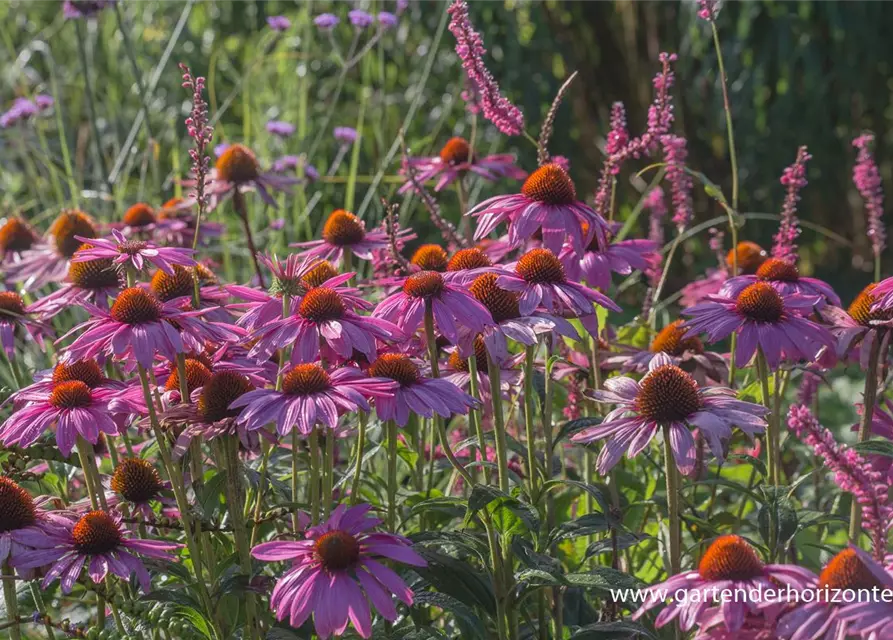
[794, 179]
[867, 179]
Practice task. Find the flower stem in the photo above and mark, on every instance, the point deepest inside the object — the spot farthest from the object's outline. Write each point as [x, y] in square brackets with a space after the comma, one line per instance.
[328, 473]
[869, 398]
[663, 279]
[358, 470]
[314, 474]
[529, 417]
[494, 373]
[391, 428]
[12, 605]
[242, 211]
[295, 448]
[771, 426]
[85, 454]
[474, 415]
[727, 108]
[41, 608]
[91, 106]
[672, 505]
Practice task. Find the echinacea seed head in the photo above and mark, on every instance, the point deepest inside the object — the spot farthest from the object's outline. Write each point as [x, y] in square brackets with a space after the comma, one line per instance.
[395, 366]
[17, 509]
[11, 305]
[238, 165]
[306, 380]
[69, 224]
[860, 308]
[136, 306]
[219, 392]
[337, 550]
[343, 229]
[502, 304]
[321, 272]
[86, 371]
[730, 557]
[550, 184]
[456, 151]
[465, 259]
[846, 570]
[761, 302]
[93, 274]
[750, 256]
[777, 269]
[672, 341]
[136, 480]
[181, 284]
[322, 305]
[540, 266]
[17, 235]
[73, 394]
[197, 375]
[139, 215]
[425, 284]
[668, 394]
[430, 257]
[96, 533]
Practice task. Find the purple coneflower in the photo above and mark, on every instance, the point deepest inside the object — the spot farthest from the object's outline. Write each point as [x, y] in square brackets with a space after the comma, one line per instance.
[547, 202]
[786, 279]
[278, 23]
[325, 317]
[90, 281]
[237, 169]
[143, 221]
[857, 325]
[763, 319]
[180, 224]
[133, 253]
[455, 160]
[729, 563]
[457, 370]
[16, 236]
[595, 266]
[48, 261]
[326, 21]
[24, 526]
[823, 614]
[343, 231]
[336, 573]
[747, 255]
[136, 482]
[668, 397]
[14, 315]
[310, 395]
[416, 393]
[280, 128]
[178, 289]
[540, 279]
[452, 306]
[99, 540]
[138, 325]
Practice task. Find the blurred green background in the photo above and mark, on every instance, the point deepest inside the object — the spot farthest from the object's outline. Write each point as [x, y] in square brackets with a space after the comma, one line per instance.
[814, 73]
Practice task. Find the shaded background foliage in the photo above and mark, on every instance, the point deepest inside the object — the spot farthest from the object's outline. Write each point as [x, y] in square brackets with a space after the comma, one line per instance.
[814, 73]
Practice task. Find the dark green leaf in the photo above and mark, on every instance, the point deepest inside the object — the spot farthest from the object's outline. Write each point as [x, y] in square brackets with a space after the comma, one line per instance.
[569, 428]
[458, 578]
[777, 519]
[471, 624]
[875, 448]
[624, 541]
[582, 526]
[612, 631]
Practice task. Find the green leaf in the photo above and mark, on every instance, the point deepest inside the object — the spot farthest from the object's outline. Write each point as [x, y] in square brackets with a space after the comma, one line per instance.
[777, 518]
[809, 518]
[458, 578]
[624, 541]
[635, 334]
[508, 513]
[604, 579]
[471, 624]
[754, 391]
[583, 526]
[875, 448]
[571, 427]
[197, 619]
[595, 492]
[612, 631]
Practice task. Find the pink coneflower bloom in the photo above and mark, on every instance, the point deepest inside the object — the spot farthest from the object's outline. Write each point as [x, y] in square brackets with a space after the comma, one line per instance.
[883, 295]
[140, 326]
[48, 261]
[237, 169]
[24, 526]
[343, 231]
[16, 236]
[686, 352]
[467, 264]
[73, 407]
[336, 573]
[457, 371]
[509, 323]
[141, 220]
[99, 540]
[417, 393]
[749, 255]
[310, 396]
[133, 253]
[14, 315]
[668, 396]
[91, 281]
[179, 224]
[137, 483]
[762, 318]
[857, 325]
[729, 563]
[178, 289]
[453, 307]
[595, 266]
[547, 202]
[454, 161]
[786, 279]
[87, 371]
[824, 615]
[324, 317]
[540, 279]
[756, 626]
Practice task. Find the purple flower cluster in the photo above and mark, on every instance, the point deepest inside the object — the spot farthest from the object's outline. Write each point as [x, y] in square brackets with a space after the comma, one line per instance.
[23, 109]
[867, 179]
[326, 21]
[618, 137]
[794, 179]
[201, 132]
[470, 47]
[279, 23]
[675, 154]
[851, 471]
[708, 9]
[345, 135]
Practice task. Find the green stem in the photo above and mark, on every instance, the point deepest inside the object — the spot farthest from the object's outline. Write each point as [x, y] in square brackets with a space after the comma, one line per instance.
[328, 473]
[129, 49]
[91, 106]
[495, 374]
[672, 505]
[869, 398]
[41, 608]
[12, 605]
[241, 210]
[529, 418]
[295, 448]
[358, 469]
[727, 108]
[85, 454]
[771, 453]
[663, 279]
[314, 477]
[391, 428]
[475, 417]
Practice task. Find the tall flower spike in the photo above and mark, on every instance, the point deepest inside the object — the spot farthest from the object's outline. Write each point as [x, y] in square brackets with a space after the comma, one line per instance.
[867, 179]
[794, 179]
[470, 47]
[201, 132]
[852, 472]
[675, 154]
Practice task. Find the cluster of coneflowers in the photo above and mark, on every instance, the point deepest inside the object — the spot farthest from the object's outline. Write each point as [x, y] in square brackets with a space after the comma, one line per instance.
[438, 354]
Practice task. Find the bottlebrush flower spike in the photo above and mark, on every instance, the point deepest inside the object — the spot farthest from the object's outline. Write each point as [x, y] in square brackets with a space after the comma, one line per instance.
[675, 153]
[794, 178]
[470, 47]
[199, 130]
[852, 472]
[867, 179]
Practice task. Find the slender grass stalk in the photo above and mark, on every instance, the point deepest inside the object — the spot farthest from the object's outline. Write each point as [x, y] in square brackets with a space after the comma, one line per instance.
[673, 519]
[137, 75]
[869, 399]
[727, 108]
[241, 210]
[663, 278]
[363, 419]
[91, 106]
